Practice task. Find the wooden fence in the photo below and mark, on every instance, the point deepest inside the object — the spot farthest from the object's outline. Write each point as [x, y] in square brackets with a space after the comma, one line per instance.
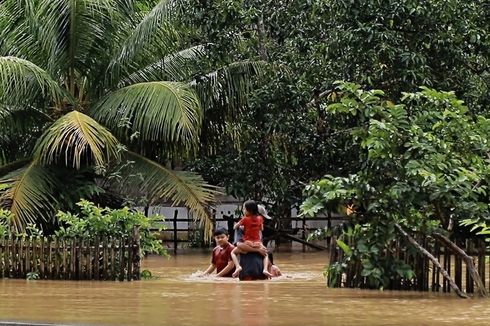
[301, 229]
[71, 259]
[427, 275]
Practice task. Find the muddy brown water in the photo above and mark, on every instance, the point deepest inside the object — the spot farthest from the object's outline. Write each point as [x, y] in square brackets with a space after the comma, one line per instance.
[177, 297]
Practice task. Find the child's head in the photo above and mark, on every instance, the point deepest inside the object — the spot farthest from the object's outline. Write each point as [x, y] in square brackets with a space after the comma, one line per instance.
[221, 236]
[250, 208]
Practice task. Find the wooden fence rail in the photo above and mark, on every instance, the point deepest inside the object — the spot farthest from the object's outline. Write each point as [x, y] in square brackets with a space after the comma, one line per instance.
[103, 258]
[427, 275]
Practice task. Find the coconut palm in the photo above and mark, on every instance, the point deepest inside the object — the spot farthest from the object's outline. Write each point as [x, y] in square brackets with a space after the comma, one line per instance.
[90, 85]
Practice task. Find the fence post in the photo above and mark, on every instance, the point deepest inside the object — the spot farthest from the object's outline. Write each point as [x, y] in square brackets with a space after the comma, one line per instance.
[303, 231]
[214, 219]
[231, 231]
[175, 231]
[329, 223]
[136, 252]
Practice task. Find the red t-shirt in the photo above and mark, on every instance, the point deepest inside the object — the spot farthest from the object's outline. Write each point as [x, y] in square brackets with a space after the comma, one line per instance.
[221, 257]
[252, 226]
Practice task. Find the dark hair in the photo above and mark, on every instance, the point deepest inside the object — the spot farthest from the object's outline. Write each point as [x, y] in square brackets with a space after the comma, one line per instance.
[220, 231]
[251, 207]
[271, 257]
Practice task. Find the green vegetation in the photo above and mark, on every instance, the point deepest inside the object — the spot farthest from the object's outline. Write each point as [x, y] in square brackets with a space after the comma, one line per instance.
[103, 96]
[91, 222]
[286, 137]
[424, 165]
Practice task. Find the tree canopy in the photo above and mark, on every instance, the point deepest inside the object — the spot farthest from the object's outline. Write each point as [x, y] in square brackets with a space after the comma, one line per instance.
[93, 89]
[424, 164]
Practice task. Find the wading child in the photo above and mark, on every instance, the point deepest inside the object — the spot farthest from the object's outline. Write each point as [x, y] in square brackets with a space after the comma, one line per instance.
[253, 224]
[273, 269]
[221, 259]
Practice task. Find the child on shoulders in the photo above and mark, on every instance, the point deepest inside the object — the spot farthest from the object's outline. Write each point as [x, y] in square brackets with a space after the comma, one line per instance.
[253, 224]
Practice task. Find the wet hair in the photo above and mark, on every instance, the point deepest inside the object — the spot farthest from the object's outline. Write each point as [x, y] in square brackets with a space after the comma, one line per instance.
[251, 207]
[220, 231]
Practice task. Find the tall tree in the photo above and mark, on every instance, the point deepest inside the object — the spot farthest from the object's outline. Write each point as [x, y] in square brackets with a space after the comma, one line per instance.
[91, 87]
[286, 137]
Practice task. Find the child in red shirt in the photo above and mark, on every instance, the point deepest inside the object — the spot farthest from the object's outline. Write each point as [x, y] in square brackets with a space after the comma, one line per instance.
[253, 224]
[221, 260]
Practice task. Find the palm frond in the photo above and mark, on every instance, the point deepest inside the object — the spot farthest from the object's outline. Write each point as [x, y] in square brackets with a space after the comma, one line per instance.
[21, 118]
[74, 35]
[174, 67]
[29, 195]
[224, 96]
[15, 35]
[21, 81]
[76, 137]
[228, 86]
[159, 111]
[15, 145]
[159, 184]
[155, 26]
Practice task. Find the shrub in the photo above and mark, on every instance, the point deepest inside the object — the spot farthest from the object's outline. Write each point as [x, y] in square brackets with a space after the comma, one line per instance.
[93, 221]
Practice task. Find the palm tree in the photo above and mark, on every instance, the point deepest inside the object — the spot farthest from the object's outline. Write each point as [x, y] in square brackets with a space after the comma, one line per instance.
[87, 86]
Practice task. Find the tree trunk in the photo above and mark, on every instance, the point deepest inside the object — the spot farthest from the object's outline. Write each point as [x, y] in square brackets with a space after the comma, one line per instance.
[261, 38]
[470, 264]
[426, 253]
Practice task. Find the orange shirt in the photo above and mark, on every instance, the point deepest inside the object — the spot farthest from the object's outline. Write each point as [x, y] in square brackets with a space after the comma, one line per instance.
[252, 225]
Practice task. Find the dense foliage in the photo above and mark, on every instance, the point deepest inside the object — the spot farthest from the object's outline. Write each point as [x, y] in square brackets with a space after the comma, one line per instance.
[83, 84]
[286, 139]
[424, 164]
[87, 86]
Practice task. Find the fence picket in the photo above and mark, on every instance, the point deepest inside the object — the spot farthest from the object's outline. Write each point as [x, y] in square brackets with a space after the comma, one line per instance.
[42, 273]
[113, 258]
[9, 259]
[105, 257]
[121, 259]
[75, 259]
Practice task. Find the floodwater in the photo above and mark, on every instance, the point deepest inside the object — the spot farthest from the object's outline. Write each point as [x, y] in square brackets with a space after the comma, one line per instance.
[177, 297]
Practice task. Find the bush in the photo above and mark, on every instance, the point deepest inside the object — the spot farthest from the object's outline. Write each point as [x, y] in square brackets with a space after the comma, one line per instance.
[94, 221]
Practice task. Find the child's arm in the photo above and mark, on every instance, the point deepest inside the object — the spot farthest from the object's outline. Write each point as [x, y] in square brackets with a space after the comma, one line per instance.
[237, 224]
[227, 269]
[210, 269]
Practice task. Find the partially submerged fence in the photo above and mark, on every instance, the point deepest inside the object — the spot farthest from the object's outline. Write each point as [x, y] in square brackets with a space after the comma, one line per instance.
[101, 258]
[427, 276]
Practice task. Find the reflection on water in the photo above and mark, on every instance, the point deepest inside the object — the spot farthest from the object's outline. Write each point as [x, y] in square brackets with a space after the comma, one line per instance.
[179, 298]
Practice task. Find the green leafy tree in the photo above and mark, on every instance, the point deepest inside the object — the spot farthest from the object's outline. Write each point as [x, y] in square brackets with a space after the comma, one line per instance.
[285, 138]
[87, 84]
[424, 164]
[397, 45]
